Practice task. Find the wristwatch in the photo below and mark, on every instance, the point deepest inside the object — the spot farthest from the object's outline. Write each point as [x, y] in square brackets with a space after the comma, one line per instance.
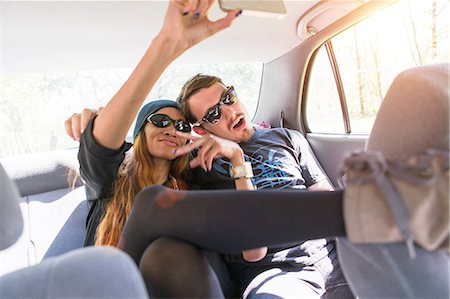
[241, 171]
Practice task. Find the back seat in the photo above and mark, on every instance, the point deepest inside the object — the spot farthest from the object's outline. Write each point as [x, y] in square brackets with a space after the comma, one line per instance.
[54, 212]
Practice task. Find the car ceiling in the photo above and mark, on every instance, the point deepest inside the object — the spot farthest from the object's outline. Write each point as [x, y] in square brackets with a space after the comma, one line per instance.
[87, 35]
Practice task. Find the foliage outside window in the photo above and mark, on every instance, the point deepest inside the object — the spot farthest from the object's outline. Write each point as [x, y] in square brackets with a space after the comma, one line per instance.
[407, 34]
[324, 112]
[33, 107]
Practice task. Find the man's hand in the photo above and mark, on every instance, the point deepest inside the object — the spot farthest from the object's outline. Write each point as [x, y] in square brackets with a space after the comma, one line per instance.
[76, 124]
[211, 148]
[322, 185]
[254, 255]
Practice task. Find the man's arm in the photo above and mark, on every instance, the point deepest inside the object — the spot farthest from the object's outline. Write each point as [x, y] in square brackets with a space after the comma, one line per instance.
[210, 148]
[312, 172]
[323, 185]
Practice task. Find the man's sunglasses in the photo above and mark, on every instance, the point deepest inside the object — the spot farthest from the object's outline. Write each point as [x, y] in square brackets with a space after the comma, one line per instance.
[214, 113]
[163, 121]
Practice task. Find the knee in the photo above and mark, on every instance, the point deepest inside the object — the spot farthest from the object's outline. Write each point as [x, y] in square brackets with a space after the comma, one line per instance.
[144, 208]
[146, 201]
[173, 268]
[147, 196]
[153, 259]
[166, 253]
[155, 198]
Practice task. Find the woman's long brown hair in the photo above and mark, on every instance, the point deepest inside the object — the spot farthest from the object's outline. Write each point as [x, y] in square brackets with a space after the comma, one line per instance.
[136, 172]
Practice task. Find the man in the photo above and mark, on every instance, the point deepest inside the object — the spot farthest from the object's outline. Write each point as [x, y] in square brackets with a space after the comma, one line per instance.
[215, 108]
[280, 159]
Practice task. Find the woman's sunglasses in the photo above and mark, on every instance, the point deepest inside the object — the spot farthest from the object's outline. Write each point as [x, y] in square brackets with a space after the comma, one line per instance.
[163, 121]
[214, 113]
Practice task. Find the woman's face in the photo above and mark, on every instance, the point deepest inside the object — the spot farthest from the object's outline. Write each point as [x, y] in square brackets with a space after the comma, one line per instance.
[162, 141]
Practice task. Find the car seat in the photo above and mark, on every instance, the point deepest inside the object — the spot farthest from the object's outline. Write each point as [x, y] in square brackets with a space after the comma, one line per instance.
[413, 119]
[94, 272]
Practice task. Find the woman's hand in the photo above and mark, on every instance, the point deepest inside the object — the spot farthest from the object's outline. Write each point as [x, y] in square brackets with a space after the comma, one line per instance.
[181, 29]
[210, 148]
[186, 22]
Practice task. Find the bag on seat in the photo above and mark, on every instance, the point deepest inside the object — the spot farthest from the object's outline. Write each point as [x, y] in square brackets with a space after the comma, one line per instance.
[398, 189]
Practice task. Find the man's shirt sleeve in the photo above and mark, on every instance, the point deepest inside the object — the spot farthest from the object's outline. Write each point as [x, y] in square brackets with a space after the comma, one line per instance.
[312, 172]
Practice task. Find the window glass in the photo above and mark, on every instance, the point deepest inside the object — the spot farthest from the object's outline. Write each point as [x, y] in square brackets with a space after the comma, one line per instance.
[323, 109]
[33, 107]
[407, 34]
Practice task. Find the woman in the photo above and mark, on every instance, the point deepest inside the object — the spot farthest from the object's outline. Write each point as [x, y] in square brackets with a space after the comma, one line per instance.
[113, 176]
[103, 149]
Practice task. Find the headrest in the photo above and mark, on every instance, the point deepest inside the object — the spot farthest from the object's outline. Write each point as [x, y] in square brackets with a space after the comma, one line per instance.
[414, 115]
[11, 222]
[398, 189]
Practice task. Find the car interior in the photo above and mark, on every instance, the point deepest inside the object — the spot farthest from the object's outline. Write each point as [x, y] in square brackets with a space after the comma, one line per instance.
[322, 69]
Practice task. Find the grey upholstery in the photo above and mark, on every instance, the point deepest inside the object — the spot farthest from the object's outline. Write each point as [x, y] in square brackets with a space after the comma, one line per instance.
[11, 223]
[386, 271]
[42, 172]
[53, 215]
[95, 272]
[54, 224]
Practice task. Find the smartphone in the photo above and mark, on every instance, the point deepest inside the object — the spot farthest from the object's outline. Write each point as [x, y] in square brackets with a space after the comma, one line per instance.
[260, 8]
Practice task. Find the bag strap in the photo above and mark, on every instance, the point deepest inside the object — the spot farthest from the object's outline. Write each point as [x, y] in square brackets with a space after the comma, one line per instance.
[375, 166]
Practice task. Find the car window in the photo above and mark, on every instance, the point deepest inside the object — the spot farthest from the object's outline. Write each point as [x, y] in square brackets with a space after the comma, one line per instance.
[324, 113]
[33, 107]
[369, 55]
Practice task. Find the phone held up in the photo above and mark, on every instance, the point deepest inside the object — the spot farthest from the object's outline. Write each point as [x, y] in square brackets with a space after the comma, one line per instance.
[260, 8]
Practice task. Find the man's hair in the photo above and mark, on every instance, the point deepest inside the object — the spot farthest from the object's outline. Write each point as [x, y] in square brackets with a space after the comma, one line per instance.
[191, 87]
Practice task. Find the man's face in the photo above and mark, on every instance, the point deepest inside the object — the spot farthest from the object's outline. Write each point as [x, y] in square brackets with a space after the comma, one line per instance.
[233, 123]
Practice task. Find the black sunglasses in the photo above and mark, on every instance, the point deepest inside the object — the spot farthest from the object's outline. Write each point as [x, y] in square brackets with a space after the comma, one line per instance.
[214, 113]
[163, 121]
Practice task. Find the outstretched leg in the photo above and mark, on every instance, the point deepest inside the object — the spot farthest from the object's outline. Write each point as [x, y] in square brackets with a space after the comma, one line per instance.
[226, 220]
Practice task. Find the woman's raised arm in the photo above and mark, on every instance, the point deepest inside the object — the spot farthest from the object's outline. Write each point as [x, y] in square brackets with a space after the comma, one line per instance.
[186, 23]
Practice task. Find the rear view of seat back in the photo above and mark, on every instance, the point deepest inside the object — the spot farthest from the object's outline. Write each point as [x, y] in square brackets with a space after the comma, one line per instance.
[11, 222]
[53, 215]
[413, 120]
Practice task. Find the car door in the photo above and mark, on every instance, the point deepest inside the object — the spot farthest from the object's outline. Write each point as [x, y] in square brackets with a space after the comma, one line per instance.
[348, 76]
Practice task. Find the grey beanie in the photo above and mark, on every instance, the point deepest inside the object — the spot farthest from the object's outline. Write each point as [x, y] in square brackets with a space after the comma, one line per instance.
[149, 109]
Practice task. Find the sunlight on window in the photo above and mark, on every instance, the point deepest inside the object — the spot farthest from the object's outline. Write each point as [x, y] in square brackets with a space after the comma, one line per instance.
[370, 55]
[35, 106]
[323, 114]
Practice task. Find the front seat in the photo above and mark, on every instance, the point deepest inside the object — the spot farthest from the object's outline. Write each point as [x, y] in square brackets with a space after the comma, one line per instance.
[413, 119]
[94, 272]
